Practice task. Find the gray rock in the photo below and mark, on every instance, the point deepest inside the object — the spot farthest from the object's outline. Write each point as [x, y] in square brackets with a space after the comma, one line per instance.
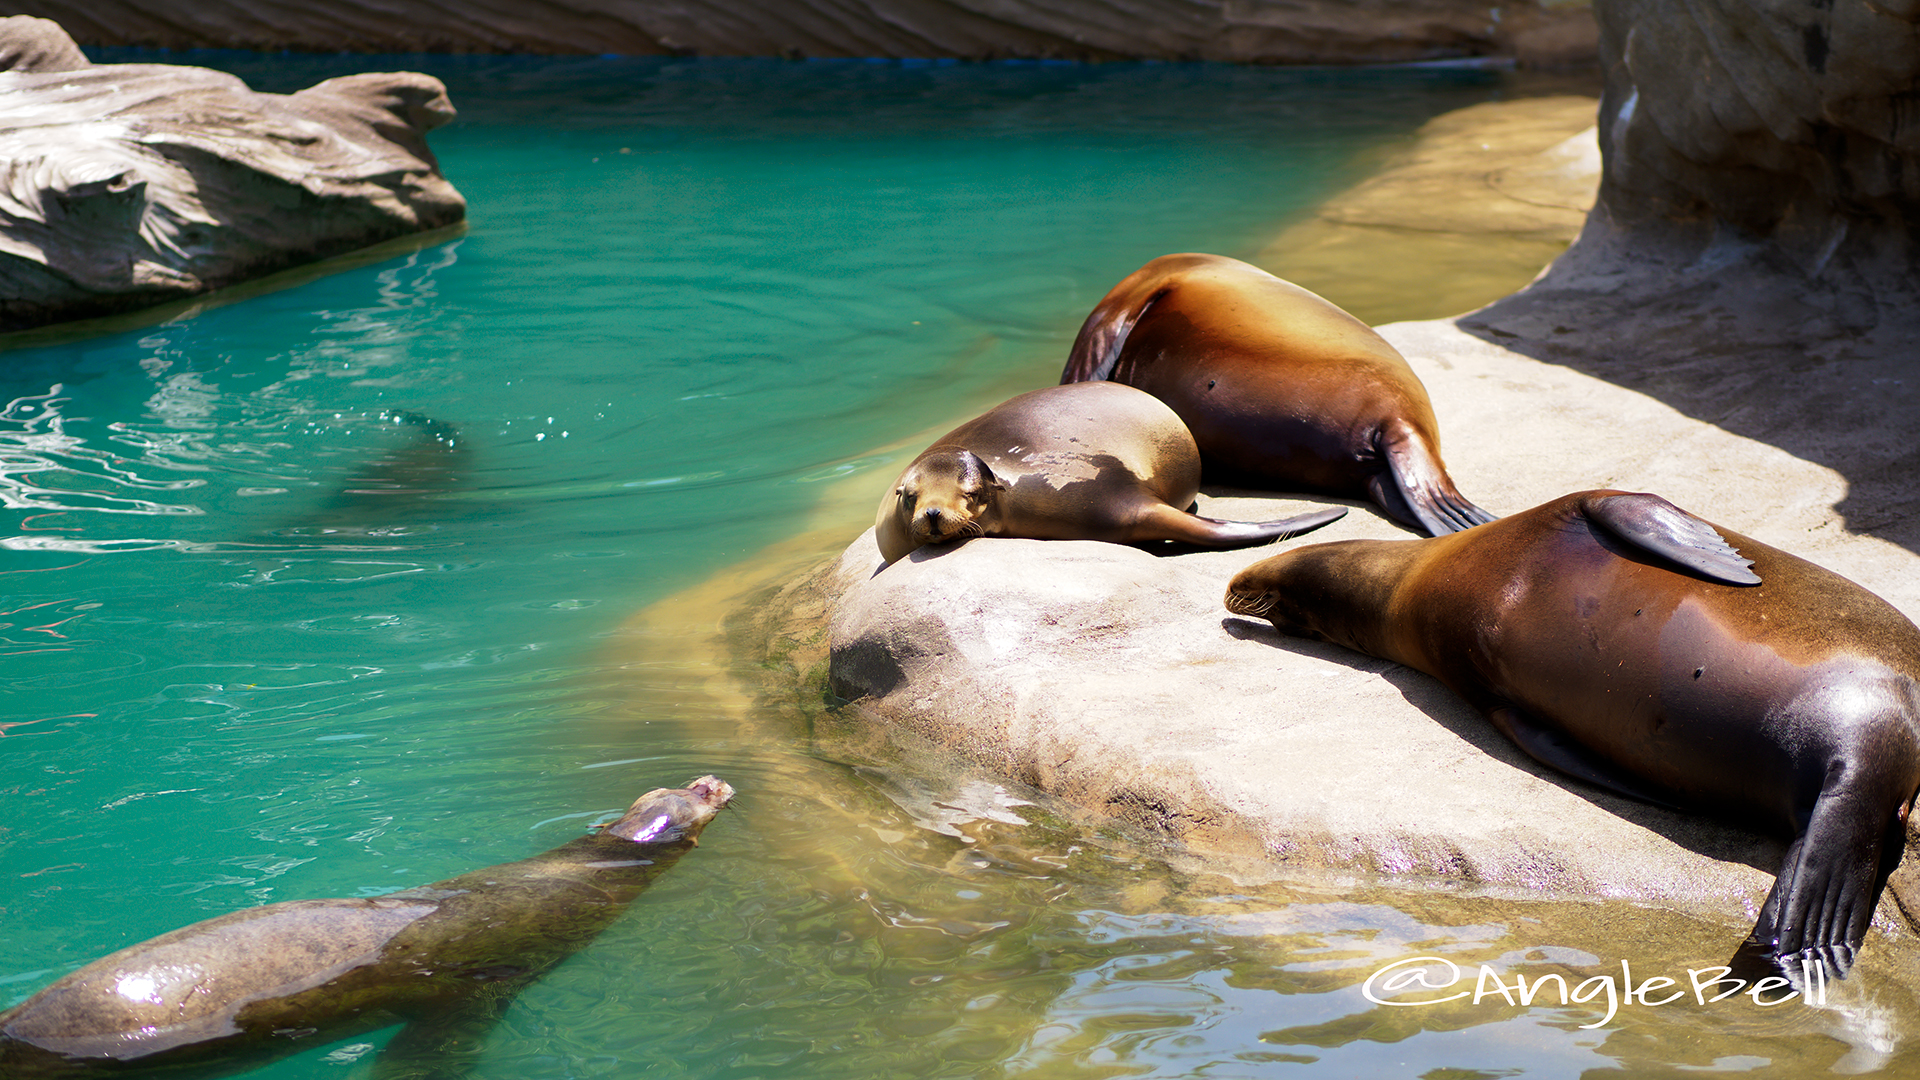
[124, 186]
[30, 44]
[1754, 253]
[1255, 31]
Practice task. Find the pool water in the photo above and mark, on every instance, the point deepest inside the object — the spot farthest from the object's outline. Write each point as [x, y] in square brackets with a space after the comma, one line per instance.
[326, 592]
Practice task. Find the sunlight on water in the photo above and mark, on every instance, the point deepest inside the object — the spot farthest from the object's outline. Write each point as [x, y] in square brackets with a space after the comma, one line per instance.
[328, 592]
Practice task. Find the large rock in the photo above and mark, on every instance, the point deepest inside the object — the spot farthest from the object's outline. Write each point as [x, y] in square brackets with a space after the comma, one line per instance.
[128, 185]
[1247, 31]
[1116, 680]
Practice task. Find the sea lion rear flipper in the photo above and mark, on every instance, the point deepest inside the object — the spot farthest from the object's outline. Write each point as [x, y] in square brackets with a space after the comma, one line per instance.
[1164, 522]
[444, 1044]
[1655, 525]
[1550, 748]
[1422, 494]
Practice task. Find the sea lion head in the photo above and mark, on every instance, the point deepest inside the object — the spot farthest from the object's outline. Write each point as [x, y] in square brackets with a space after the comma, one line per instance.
[947, 492]
[1328, 592]
[1261, 591]
[666, 815]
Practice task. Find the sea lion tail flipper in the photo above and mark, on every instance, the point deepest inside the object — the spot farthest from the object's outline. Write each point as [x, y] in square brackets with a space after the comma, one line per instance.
[1655, 525]
[1164, 522]
[1422, 494]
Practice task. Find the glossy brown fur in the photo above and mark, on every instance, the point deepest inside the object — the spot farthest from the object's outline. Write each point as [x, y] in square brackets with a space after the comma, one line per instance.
[1092, 461]
[1750, 702]
[1280, 388]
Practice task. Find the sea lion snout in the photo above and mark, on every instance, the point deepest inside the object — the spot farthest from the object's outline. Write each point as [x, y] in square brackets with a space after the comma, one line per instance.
[664, 815]
[1249, 599]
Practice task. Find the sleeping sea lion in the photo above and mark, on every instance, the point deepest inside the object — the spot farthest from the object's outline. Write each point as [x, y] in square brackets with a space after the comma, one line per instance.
[1280, 388]
[1091, 461]
[446, 959]
[1621, 640]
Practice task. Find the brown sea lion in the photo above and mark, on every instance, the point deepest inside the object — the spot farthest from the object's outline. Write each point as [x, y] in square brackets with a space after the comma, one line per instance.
[1280, 388]
[446, 959]
[1622, 640]
[1093, 461]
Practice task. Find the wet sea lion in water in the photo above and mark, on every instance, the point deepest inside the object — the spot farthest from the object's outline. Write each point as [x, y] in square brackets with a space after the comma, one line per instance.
[399, 491]
[1620, 639]
[1280, 388]
[445, 958]
[1091, 461]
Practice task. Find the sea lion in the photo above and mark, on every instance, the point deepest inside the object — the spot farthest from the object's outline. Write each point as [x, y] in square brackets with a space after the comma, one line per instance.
[445, 958]
[1091, 461]
[1624, 641]
[397, 492]
[1280, 388]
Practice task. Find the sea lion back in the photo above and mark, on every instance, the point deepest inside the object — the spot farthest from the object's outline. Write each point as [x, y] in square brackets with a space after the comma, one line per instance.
[191, 985]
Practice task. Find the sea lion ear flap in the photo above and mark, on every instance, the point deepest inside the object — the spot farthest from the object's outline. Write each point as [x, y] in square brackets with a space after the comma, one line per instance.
[976, 476]
[1658, 527]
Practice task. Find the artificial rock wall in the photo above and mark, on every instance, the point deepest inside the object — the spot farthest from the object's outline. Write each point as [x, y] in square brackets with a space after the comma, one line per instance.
[1236, 31]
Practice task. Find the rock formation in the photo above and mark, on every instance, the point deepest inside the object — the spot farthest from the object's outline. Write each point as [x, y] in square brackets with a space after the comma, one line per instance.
[1754, 254]
[128, 185]
[1242, 31]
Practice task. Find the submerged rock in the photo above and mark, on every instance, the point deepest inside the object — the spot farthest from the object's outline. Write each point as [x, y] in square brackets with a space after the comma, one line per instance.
[128, 185]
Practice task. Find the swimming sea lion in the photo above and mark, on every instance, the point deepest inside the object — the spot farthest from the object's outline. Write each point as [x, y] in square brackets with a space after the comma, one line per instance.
[398, 491]
[1280, 388]
[1622, 640]
[446, 959]
[1093, 461]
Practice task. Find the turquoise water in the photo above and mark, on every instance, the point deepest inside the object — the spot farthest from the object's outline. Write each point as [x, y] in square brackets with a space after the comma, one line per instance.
[320, 593]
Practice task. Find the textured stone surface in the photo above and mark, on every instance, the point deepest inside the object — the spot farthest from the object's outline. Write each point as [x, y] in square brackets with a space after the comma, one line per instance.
[1787, 120]
[1752, 258]
[124, 186]
[1248, 31]
[1115, 679]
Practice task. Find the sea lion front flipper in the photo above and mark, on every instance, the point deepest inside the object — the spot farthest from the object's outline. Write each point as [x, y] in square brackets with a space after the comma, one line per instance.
[1422, 493]
[1164, 522]
[1655, 525]
[443, 1044]
[1097, 347]
[1829, 883]
[1556, 751]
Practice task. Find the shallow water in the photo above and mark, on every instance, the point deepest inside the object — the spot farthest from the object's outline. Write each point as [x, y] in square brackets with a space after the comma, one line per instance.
[326, 592]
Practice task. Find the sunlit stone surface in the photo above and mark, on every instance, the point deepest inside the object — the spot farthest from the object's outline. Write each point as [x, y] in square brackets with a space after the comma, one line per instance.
[128, 185]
